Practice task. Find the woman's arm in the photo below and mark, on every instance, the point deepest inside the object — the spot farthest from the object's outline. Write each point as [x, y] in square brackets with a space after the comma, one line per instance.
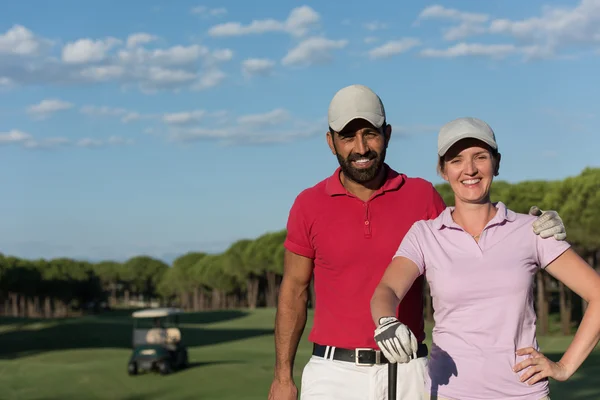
[395, 283]
[578, 276]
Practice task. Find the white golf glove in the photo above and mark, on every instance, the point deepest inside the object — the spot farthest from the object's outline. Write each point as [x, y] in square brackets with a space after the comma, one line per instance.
[396, 341]
[548, 224]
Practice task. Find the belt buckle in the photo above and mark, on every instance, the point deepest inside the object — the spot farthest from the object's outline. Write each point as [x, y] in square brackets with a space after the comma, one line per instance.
[356, 358]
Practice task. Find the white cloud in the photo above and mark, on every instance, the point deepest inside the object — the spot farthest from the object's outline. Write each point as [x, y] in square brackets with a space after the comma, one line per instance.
[14, 136]
[298, 23]
[257, 66]
[195, 134]
[173, 56]
[314, 50]
[130, 117]
[28, 141]
[48, 107]
[46, 143]
[463, 31]
[497, 51]
[140, 38]
[159, 76]
[103, 73]
[233, 136]
[113, 112]
[375, 26]
[222, 54]
[88, 50]
[394, 47]
[275, 126]
[102, 111]
[469, 23]
[19, 40]
[440, 12]
[87, 142]
[206, 11]
[6, 83]
[209, 79]
[55, 142]
[184, 118]
[274, 117]
[126, 62]
[370, 39]
[557, 27]
[117, 140]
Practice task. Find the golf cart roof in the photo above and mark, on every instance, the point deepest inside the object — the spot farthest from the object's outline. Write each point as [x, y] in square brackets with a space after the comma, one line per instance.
[156, 312]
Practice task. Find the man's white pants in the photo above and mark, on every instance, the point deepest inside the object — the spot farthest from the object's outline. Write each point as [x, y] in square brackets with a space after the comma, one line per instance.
[324, 379]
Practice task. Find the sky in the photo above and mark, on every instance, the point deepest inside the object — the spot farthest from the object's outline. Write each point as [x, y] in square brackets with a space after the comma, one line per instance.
[161, 127]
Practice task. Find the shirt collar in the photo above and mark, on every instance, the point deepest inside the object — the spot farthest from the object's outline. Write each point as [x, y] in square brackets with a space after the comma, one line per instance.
[503, 214]
[393, 181]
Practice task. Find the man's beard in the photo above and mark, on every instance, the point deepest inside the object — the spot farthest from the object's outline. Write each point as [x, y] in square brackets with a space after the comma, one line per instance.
[362, 175]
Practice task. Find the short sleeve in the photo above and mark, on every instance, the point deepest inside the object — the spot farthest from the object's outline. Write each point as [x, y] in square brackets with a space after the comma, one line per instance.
[547, 250]
[410, 246]
[437, 204]
[298, 231]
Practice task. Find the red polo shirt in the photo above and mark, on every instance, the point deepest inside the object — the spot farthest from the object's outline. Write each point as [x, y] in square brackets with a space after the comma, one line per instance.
[352, 242]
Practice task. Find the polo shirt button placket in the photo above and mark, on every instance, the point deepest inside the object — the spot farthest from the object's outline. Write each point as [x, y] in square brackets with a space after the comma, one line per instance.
[367, 222]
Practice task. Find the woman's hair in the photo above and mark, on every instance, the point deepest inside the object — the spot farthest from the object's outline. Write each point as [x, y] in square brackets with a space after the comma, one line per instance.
[495, 160]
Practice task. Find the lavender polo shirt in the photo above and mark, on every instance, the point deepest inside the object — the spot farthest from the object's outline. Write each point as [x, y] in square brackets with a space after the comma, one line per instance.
[483, 302]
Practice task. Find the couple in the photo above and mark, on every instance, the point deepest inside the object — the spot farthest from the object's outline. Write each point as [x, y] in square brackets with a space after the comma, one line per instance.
[345, 230]
[480, 260]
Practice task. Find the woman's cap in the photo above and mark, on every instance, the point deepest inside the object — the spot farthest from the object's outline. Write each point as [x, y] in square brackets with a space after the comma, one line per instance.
[465, 128]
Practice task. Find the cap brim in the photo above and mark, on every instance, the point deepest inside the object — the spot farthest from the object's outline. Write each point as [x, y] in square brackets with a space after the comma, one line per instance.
[446, 146]
[339, 124]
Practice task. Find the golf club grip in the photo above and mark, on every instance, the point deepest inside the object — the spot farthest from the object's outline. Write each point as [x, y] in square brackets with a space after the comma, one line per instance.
[392, 379]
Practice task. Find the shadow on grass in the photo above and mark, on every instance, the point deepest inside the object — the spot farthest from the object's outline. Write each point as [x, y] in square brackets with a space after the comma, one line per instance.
[207, 363]
[142, 396]
[210, 317]
[582, 385]
[191, 365]
[106, 331]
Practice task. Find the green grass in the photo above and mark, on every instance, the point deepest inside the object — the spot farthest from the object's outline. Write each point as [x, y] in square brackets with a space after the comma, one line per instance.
[231, 354]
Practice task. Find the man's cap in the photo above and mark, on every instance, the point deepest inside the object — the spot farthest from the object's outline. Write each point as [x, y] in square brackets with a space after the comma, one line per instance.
[353, 102]
[465, 128]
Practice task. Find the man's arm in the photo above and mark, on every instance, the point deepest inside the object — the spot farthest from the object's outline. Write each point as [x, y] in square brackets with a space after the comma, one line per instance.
[290, 319]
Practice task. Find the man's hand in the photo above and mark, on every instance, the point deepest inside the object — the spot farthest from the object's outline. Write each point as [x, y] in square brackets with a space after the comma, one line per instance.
[283, 390]
[396, 341]
[548, 224]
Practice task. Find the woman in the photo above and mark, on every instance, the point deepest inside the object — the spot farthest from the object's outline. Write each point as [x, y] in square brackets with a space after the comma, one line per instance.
[480, 260]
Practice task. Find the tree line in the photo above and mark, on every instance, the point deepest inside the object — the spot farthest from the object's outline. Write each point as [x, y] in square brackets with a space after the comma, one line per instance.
[248, 273]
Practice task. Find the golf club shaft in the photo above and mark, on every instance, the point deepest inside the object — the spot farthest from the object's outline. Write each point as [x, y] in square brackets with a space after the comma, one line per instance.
[392, 379]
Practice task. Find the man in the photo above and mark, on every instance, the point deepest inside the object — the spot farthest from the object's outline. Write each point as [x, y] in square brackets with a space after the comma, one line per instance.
[345, 230]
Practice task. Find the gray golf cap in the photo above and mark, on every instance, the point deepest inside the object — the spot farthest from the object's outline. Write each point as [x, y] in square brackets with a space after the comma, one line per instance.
[465, 128]
[354, 102]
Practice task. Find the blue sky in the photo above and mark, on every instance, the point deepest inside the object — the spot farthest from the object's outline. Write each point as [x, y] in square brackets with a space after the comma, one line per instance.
[162, 127]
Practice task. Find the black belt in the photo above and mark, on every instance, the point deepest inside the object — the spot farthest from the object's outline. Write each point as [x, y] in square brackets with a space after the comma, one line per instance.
[361, 356]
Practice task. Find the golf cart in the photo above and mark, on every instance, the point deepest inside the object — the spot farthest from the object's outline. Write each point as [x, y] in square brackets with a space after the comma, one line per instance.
[157, 342]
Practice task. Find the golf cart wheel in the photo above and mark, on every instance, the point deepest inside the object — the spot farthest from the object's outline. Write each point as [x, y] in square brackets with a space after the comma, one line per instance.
[132, 368]
[182, 359]
[164, 367]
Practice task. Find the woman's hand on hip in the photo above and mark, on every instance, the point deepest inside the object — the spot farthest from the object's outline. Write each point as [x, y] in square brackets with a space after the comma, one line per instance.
[538, 367]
